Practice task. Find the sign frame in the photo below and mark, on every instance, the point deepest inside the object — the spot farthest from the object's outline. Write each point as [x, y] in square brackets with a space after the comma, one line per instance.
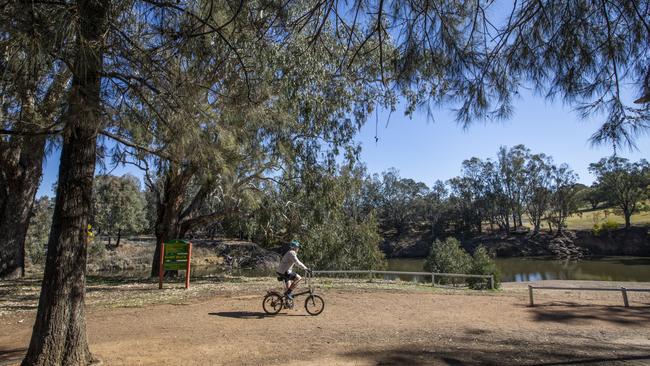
[161, 269]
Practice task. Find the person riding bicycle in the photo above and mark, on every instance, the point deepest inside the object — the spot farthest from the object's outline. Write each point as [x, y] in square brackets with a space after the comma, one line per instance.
[286, 264]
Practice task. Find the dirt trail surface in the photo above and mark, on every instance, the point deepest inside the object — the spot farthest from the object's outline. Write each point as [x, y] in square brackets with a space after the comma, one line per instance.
[363, 324]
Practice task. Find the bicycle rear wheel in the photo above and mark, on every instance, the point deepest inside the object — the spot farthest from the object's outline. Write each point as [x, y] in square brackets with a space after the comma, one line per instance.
[314, 304]
[272, 304]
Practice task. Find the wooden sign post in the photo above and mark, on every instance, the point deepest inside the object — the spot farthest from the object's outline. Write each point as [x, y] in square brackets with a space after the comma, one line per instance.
[175, 255]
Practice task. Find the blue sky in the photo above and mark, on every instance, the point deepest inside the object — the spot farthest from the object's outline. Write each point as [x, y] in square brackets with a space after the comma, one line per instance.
[427, 151]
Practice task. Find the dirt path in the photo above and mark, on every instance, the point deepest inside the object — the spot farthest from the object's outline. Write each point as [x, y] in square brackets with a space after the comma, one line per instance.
[364, 327]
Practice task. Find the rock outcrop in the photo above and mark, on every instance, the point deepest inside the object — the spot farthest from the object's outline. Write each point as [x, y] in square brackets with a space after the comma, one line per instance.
[243, 254]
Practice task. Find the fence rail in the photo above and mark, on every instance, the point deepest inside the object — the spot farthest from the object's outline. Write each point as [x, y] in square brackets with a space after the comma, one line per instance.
[622, 290]
[427, 274]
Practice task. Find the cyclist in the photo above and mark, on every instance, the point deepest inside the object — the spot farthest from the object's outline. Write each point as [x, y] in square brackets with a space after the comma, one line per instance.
[286, 264]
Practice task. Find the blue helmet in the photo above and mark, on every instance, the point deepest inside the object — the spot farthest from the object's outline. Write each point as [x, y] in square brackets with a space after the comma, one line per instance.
[294, 244]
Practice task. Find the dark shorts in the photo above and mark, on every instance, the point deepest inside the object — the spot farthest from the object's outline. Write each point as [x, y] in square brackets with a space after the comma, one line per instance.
[288, 276]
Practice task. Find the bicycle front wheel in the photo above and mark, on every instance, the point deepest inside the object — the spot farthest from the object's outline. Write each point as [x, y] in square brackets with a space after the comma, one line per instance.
[314, 304]
[272, 304]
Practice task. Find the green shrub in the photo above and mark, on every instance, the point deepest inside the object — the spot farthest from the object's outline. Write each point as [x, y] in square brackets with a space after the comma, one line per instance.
[483, 264]
[605, 227]
[448, 257]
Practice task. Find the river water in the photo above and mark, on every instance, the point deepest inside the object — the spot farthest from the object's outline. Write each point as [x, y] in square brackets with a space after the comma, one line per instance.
[538, 268]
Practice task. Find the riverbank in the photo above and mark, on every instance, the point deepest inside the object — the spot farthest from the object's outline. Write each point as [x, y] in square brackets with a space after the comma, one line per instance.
[570, 244]
[219, 321]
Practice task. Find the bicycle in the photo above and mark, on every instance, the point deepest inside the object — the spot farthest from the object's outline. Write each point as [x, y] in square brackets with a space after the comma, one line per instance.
[274, 301]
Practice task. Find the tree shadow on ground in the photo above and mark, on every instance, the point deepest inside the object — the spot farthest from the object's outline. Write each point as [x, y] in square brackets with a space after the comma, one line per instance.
[249, 314]
[468, 351]
[11, 355]
[572, 313]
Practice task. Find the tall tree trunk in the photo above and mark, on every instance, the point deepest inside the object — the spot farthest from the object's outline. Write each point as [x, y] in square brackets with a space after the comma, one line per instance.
[628, 219]
[59, 334]
[22, 164]
[119, 236]
[169, 210]
[21, 183]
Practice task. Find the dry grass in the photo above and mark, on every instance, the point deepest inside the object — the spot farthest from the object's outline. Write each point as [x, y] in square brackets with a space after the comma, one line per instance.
[587, 219]
[105, 292]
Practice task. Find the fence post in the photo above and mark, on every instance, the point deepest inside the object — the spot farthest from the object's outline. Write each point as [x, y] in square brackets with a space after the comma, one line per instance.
[530, 295]
[491, 282]
[625, 302]
[433, 279]
[372, 275]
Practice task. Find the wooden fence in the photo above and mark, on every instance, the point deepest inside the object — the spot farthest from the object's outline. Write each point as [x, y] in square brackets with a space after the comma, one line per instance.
[433, 275]
[622, 290]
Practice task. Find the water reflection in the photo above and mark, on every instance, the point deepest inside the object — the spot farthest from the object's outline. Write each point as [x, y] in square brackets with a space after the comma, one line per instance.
[539, 268]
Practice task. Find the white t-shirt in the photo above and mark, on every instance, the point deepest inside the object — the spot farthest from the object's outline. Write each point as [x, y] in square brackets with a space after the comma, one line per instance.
[290, 258]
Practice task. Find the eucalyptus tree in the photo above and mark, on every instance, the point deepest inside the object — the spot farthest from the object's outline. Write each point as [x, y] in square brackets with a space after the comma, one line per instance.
[511, 165]
[624, 183]
[437, 208]
[539, 179]
[316, 205]
[118, 207]
[402, 201]
[564, 201]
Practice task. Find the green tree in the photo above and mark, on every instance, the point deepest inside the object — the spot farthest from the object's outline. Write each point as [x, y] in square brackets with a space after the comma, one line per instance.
[483, 264]
[318, 204]
[448, 257]
[118, 207]
[564, 197]
[31, 102]
[539, 180]
[625, 184]
[402, 202]
[592, 196]
[39, 230]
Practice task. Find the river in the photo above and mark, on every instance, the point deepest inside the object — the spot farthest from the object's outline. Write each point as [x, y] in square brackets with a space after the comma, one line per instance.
[537, 268]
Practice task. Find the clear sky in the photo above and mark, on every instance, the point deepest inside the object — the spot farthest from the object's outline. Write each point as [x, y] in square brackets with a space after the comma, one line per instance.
[427, 151]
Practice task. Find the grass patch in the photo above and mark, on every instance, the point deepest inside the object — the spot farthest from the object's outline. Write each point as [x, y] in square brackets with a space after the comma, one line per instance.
[21, 296]
[587, 219]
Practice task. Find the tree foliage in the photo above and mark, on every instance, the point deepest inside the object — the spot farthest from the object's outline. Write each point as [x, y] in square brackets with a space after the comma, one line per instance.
[39, 230]
[623, 183]
[447, 256]
[118, 207]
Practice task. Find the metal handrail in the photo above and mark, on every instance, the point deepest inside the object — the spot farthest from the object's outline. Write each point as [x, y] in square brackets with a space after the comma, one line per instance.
[623, 290]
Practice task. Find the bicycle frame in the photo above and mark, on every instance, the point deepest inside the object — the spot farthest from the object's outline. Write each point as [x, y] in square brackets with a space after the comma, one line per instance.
[277, 298]
[309, 290]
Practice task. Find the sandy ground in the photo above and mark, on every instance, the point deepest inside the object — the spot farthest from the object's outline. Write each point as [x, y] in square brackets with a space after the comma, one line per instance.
[364, 326]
